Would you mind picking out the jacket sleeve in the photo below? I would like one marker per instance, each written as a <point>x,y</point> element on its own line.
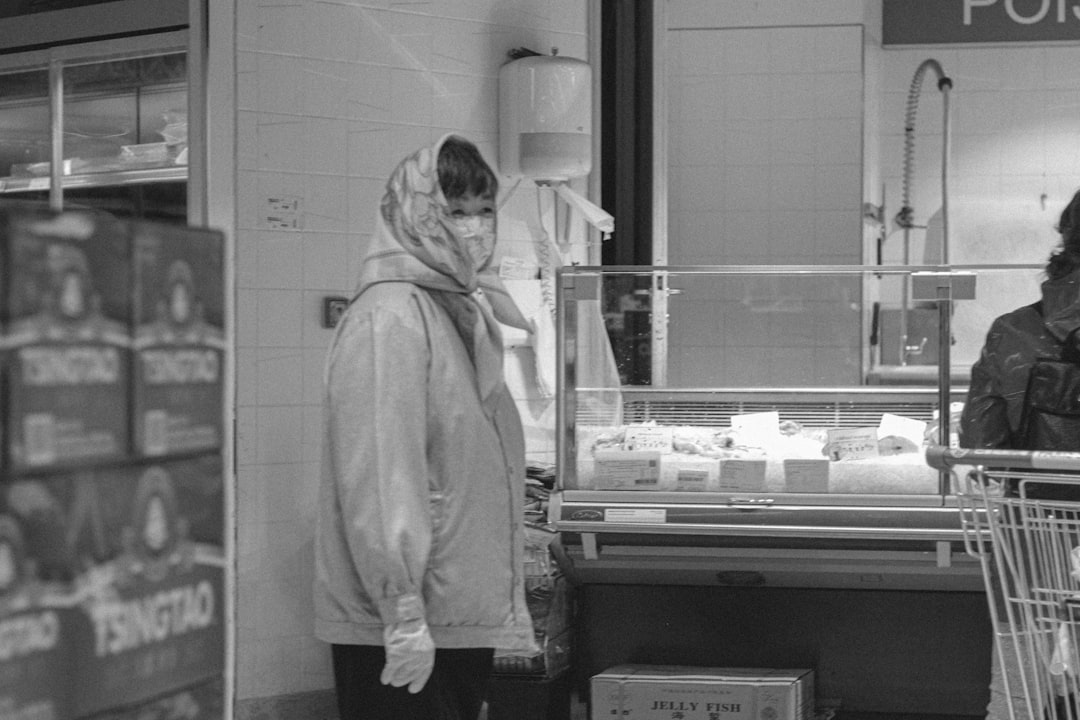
<point>1065,326</point>
<point>377,379</point>
<point>985,421</point>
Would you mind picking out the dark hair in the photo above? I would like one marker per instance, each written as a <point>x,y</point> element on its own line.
<point>463,171</point>
<point>1066,257</point>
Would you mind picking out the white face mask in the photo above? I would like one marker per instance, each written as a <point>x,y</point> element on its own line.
<point>478,235</point>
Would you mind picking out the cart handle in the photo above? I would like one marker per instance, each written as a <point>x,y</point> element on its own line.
<point>943,458</point>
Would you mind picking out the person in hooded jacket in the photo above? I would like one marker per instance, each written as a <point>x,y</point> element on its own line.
<point>1019,397</point>
<point>418,553</point>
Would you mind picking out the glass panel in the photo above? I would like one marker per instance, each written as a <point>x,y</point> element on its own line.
<point>24,123</point>
<point>125,136</point>
<point>125,114</point>
<point>767,380</point>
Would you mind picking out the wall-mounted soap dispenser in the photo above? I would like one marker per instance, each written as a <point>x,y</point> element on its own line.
<point>545,118</point>
<point>545,126</point>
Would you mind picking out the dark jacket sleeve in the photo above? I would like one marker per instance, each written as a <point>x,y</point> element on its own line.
<point>985,420</point>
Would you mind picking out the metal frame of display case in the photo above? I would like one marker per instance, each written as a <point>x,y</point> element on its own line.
<point>55,59</point>
<point>785,539</point>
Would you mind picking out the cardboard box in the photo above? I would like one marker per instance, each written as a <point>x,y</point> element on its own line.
<point>122,658</point>
<point>179,339</point>
<point>204,701</point>
<point>664,692</point>
<point>36,618</point>
<point>143,514</point>
<point>66,312</point>
<point>143,543</point>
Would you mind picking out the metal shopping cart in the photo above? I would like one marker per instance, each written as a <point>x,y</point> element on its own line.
<point>1028,543</point>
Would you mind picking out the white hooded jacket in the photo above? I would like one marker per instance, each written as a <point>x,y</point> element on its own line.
<point>420,506</point>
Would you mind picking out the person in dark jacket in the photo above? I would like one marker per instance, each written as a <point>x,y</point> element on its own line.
<point>1017,398</point>
<point>994,414</point>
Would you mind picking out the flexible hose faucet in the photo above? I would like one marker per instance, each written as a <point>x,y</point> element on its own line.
<point>905,218</point>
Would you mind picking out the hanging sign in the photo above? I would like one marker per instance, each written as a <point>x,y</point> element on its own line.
<point>931,22</point>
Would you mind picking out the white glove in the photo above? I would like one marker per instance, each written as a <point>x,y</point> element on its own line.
<point>410,654</point>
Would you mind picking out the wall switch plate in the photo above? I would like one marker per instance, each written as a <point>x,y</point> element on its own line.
<point>333,307</point>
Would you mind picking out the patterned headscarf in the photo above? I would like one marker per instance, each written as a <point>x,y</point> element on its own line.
<point>414,243</point>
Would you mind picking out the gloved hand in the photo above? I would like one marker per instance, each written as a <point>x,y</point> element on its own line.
<point>410,654</point>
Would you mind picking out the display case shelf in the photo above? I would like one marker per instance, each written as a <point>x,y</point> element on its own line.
<point>102,123</point>
<point>141,176</point>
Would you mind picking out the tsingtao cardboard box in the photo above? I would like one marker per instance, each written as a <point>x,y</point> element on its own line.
<point>179,339</point>
<point>664,692</point>
<point>65,317</point>
<point>36,619</point>
<point>142,543</point>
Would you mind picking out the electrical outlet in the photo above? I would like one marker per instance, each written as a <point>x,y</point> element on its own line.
<point>333,308</point>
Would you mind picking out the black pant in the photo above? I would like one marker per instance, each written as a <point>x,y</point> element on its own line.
<point>455,691</point>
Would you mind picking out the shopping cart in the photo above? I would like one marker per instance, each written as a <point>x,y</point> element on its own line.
<point>1029,549</point>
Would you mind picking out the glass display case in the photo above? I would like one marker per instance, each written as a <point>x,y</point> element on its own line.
<point>741,424</point>
<point>101,124</point>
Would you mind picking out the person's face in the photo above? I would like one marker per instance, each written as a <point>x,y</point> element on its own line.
<point>473,218</point>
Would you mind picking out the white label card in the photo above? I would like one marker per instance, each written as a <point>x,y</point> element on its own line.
<point>761,425</point>
<point>648,437</point>
<point>512,268</point>
<point>635,515</point>
<point>852,443</point>
<point>910,428</point>
<point>618,470</point>
<point>807,475</point>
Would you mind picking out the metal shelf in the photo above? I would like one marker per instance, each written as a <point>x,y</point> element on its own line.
<point>140,176</point>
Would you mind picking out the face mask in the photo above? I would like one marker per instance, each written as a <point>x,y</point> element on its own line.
<point>478,236</point>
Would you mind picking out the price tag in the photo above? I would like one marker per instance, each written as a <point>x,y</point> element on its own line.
<point>623,470</point>
<point>742,475</point>
<point>807,475</point>
<point>852,443</point>
<point>648,437</point>
<point>691,480</point>
<point>635,515</point>
<point>512,268</point>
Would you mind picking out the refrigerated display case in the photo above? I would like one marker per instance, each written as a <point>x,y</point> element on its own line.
<point>728,425</point>
<point>102,124</point>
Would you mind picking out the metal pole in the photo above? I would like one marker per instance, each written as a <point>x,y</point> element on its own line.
<point>56,125</point>
<point>944,376</point>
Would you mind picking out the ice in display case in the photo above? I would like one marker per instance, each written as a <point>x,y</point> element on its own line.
<point>746,418</point>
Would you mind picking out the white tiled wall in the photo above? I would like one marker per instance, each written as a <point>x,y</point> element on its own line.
<point>764,136</point>
<point>1014,162</point>
<point>331,94</point>
<point>765,129</point>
